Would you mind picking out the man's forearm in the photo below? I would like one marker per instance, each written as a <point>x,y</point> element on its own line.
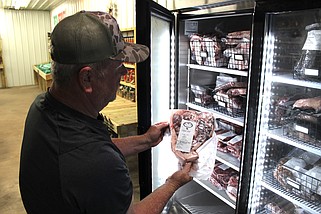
<point>155,202</point>
<point>132,145</point>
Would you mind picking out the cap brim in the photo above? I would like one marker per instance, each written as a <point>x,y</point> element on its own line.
<point>132,53</point>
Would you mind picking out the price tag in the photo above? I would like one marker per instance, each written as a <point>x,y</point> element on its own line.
<point>185,136</point>
<point>198,100</point>
<point>223,166</point>
<point>236,139</point>
<point>238,57</point>
<point>293,183</point>
<point>203,54</point>
<point>311,72</point>
<point>221,104</point>
<point>301,129</point>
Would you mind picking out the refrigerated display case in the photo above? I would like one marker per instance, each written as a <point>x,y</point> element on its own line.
<point>283,116</point>
<point>199,61</point>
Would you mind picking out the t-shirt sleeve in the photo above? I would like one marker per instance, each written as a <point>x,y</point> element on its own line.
<point>95,179</point>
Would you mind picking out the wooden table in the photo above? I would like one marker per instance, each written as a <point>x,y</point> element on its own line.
<point>42,79</point>
<point>121,117</point>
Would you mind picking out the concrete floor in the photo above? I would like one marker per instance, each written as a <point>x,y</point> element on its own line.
<point>14,104</point>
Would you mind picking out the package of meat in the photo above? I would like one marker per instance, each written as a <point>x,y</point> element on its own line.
<point>233,106</point>
<point>308,126</point>
<point>238,56</point>
<point>189,131</point>
<point>236,92</point>
<point>309,104</point>
<point>312,180</point>
<point>234,146</point>
<point>299,174</point>
<point>214,56</point>
<point>309,64</point>
<point>230,85</point>
<point>221,175</point>
<point>193,140</point>
<point>204,165</point>
<point>232,186</point>
<point>196,45</point>
<point>280,207</point>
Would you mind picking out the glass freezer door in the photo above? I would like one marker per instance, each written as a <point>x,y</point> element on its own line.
<point>286,175</point>
<point>163,160</point>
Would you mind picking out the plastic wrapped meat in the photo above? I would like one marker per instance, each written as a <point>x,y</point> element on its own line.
<point>309,64</point>
<point>196,45</point>
<point>221,175</point>
<point>309,104</point>
<point>238,56</point>
<point>214,52</point>
<point>190,130</point>
<point>232,185</point>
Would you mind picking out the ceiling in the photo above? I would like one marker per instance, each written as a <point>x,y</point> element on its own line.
<point>36,4</point>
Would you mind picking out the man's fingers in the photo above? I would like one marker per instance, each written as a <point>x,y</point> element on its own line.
<point>162,125</point>
<point>187,167</point>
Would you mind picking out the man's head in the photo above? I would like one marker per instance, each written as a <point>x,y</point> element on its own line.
<point>89,37</point>
<point>87,50</point>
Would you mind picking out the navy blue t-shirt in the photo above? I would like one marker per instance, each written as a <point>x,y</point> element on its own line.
<point>69,164</point>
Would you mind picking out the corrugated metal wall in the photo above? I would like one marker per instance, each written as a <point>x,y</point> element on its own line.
<point>123,10</point>
<point>24,41</point>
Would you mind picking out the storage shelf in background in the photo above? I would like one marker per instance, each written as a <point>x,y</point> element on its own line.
<point>127,84</point>
<point>277,134</point>
<point>129,65</point>
<point>288,79</point>
<point>228,160</point>
<point>219,70</point>
<point>236,120</point>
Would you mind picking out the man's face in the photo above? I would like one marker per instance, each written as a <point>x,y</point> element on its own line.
<point>107,84</point>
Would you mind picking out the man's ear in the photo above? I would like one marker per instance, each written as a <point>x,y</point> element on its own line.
<point>85,79</point>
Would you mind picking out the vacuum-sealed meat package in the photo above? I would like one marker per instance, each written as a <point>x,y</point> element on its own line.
<point>309,65</point>
<point>189,131</point>
<point>193,140</point>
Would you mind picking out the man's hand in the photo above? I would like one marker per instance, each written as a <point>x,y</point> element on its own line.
<point>155,133</point>
<point>181,177</point>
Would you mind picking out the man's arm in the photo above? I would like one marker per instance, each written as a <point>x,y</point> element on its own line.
<point>135,144</point>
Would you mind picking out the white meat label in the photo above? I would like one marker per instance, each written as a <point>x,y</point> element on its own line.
<point>301,129</point>
<point>311,72</point>
<point>185,136</point>
<point>293,183</point>
<point>223,166</point>
<point>236,139</point>
<point>238,57</point>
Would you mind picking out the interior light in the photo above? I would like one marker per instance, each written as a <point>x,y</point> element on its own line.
<point>15,4</point>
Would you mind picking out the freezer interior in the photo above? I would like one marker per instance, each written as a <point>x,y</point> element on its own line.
<point>205,44</point>
<point>287,172</point>
<point>213,50</point>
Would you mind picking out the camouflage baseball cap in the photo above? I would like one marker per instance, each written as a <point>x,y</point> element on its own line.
<point>88,37</point>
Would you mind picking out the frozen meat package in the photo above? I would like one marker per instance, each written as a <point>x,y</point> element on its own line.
<point>193,140</point>
<point>299,172</point>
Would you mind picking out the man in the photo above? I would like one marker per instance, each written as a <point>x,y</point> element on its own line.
<point>68,163</point>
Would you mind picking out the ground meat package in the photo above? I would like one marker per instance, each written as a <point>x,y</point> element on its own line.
<point>193,140</point>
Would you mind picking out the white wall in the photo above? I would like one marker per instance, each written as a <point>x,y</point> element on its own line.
<point>24,41</point>
<point>123,10</point>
